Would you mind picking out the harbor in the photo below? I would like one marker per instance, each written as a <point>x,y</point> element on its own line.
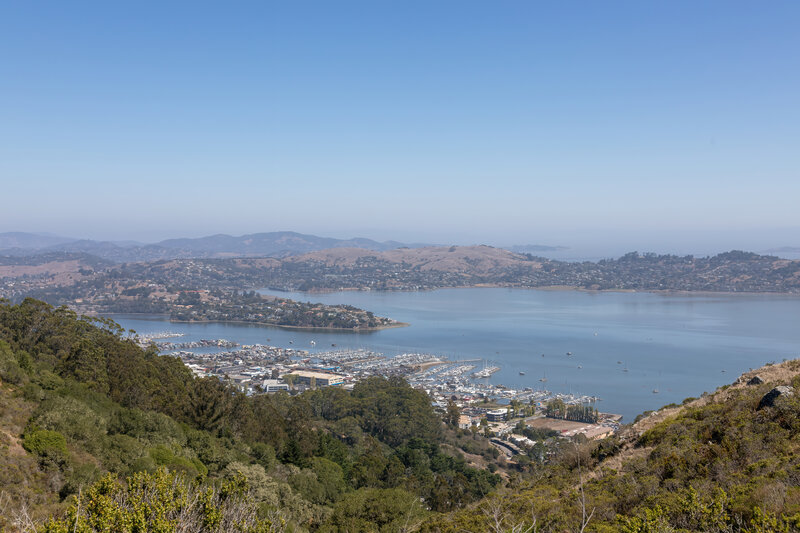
<point>254,366</point>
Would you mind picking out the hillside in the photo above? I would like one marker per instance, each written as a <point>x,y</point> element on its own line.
<point>471,260</point>
<point>79,400</point>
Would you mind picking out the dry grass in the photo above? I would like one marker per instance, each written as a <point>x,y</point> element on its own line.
<point>473,259</point>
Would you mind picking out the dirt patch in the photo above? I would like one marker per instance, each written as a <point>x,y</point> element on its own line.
<point>57,267</point>
<point>13,442</point>
<point>556,424</point>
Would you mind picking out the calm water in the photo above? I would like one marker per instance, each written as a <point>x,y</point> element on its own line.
<point>679,345</point>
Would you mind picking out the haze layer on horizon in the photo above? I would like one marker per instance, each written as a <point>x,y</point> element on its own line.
<point>452,122</point>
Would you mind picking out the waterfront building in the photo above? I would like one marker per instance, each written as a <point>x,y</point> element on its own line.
<point>315,379</point>
<point>497,415</point>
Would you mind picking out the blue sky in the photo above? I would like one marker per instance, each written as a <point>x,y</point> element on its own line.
<point>626,123</point>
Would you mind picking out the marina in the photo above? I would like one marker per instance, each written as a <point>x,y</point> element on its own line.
<point>249,365</point>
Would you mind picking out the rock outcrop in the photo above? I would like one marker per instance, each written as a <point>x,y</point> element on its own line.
<point>769,399</point>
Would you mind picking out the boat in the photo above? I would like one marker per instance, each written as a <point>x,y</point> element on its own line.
<point>522,373</point>
<point>569,353</point>
<point>485,372</point>
<point>655,391</point>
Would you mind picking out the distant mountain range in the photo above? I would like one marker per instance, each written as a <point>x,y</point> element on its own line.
<point>785,250</point>
<point>30,241</point>
<point>272,244</point>
<point>535,248</point>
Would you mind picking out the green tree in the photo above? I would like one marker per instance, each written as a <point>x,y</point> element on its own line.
<point>452,414</point>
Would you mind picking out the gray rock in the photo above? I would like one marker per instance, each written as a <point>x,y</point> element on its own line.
<point>769,399</point>
<point>755,380</point>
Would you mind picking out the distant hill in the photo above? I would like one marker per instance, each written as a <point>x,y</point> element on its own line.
<point>784,249</point>
<point>30,241</point>
<point>535,248</point>
<point>472,260</point>
<point>272,244</point>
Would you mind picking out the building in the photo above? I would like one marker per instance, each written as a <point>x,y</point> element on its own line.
<point>497,415</point>
<point>315,379</point>
<point>274,385</point>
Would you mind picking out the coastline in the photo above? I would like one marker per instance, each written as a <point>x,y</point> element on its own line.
<point>557,288</point>
<point>300,328</point>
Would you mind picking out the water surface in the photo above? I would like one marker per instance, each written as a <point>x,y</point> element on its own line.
<point>679,345</point>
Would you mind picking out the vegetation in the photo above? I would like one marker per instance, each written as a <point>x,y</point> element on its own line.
<point>80,401</point>
<point>163,502</point>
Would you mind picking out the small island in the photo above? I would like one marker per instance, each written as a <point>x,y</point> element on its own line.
<point>254,308</point>
<point>231,306</point>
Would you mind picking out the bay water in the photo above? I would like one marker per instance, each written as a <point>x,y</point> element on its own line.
<point>635,351</point>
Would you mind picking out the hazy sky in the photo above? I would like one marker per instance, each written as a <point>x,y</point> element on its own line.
<point>503,122</point>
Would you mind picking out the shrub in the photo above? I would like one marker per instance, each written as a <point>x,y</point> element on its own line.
<point>41,441</point>
<point>163,501</point>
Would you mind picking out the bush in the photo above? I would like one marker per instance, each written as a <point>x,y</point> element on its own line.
<point>163,501</point>
<point>42,441</point>
<point>10,369</point>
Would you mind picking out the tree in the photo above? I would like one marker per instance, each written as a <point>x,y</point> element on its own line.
<point>209,403</point>
<point>384,510</point>
<point>453,414</point>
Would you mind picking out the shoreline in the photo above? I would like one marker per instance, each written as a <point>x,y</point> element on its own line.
<point>553,288</point>
<point>282,326</point>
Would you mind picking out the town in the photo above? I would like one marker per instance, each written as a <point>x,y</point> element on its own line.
<point>515,420</point>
